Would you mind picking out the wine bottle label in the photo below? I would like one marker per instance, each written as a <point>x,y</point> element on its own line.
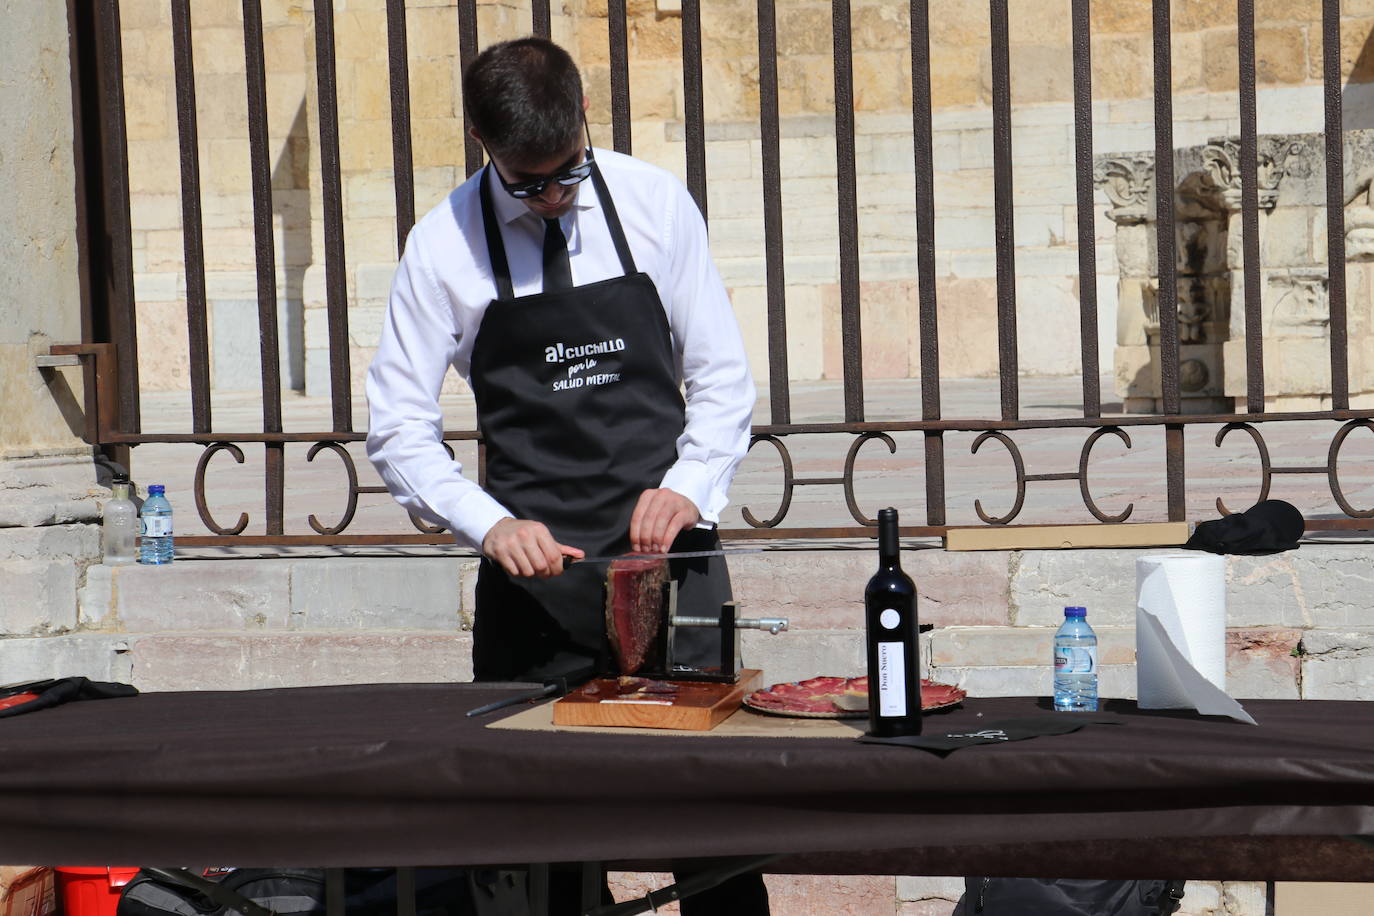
<point>891,679</point>
<point>890,618</point>
<point>157,527</point>
<point>1075,659</point>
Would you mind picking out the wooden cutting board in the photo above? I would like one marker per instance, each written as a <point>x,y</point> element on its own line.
<point>697,706</point>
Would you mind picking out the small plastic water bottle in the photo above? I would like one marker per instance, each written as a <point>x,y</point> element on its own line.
<point>1075,663</point>
<point>155,544</point>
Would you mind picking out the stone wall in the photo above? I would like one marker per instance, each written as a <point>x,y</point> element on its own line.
<point>1288,40</point>
<point>1298,626</point>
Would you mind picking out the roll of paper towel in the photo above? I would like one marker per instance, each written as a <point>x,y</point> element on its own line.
<point>1181,634</point>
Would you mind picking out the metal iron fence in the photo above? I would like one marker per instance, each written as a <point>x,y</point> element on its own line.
<point>109,350</point>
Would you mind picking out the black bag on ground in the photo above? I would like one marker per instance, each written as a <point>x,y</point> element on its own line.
<point>284,891</point>
<point>1068,897</point>
<point>301,892</point>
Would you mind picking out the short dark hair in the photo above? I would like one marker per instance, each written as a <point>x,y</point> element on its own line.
<point>525,99</point>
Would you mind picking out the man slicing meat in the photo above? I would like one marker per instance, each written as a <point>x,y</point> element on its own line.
<point>573,289</point>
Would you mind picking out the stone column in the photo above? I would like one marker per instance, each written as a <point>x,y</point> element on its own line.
<point>1359,253</point>
<point>1292,270</point>
<point>48,486</point>
<point>1128,180</point>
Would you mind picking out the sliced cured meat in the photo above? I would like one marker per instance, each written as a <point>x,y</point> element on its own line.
<point>933,694</point>
<point>645,685</point>
<point>634,608</point>
<point>838,697</point>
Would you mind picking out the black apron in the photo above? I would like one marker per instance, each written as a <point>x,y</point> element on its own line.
<point>579,407</point>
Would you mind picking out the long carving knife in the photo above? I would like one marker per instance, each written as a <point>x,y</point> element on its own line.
<point>680,555</point>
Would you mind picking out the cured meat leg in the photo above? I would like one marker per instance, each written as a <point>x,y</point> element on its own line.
<point>634,608</point>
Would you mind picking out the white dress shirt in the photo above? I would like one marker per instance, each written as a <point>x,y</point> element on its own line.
<point>444,284</point>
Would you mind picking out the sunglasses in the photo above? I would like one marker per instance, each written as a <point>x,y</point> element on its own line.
<point>579,173</point>
<point>521,190</point>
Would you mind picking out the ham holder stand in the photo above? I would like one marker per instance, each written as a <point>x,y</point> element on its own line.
<point>657,689</point>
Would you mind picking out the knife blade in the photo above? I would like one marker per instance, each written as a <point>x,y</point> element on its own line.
<point>680,555</point>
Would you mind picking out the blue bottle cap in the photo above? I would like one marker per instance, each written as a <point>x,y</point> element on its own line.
<point>156,489</point>
<point>1075,612</point>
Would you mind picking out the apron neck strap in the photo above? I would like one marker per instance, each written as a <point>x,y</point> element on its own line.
<point>496,248</point>
<point>622,247</point>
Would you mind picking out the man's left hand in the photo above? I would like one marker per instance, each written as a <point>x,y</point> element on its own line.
<point>659,516</point>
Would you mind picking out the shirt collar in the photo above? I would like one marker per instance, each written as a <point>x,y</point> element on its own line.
<point>508,209</point>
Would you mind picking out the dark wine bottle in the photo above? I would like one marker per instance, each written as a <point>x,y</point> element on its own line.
<point>894,668</point>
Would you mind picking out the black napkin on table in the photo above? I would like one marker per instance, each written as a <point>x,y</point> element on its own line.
<point>61,690</point>
<point>1263,528</point>
<point>995,732</point>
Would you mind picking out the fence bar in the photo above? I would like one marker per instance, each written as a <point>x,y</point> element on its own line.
<point>848,215</point>
<point>1335,200</point>
<point>197,321</point>
<point>1087,230</point>
<point>402,157</point>
<point>85,142</point>
<point>539,18</point>
<point>693,103</point>
<point>1174,472</point>
<point>335,264</point>
<point>1249,207</point>
<point>1167,299</point>
<point>1007,363</point>
<point>261,165</point>
<point>924,170</point>
<point>620,76</point>
<point>779,394</point>
<point>115,260</point>
<point>467,50</point>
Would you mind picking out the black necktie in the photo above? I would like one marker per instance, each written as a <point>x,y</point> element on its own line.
<point>557,269</point>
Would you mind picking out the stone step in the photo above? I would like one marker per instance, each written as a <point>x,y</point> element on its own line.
<point>225,622</point>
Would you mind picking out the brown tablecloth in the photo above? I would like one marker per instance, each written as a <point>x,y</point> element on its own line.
<point>396,775</point>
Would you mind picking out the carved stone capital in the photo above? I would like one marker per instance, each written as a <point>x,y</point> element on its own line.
<point>1359,218</point>
<point>1128,181</point>
<point>1300,307</point>
<point>1276,157</point>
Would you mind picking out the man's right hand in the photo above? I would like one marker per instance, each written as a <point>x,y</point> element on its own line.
<point>526,548</point>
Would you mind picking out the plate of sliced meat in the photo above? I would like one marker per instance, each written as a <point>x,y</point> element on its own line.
<point>837,698</point>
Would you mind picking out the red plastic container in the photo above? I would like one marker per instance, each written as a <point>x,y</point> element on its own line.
<point>85,891</point>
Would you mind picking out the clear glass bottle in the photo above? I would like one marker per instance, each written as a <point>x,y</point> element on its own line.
<point>155,543</point>
<point>1075,663</point>
<point>894,669</point>
<point>120,525</point>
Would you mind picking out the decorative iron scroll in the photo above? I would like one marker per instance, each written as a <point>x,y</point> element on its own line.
<point>862,523</point>
<point>1336,442</point>
<point>353,488</point>
<point>1267,469</point>
<point>791,480</point>
<point>1022,478</point>
<point>201,506</point>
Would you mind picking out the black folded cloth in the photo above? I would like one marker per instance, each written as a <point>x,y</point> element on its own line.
<point>1265,527</point>
<point>49,693</point>
<point>994,732</point>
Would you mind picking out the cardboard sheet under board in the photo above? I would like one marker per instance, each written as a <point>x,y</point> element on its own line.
<point>1064,537</point>
<point>743,724</point>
